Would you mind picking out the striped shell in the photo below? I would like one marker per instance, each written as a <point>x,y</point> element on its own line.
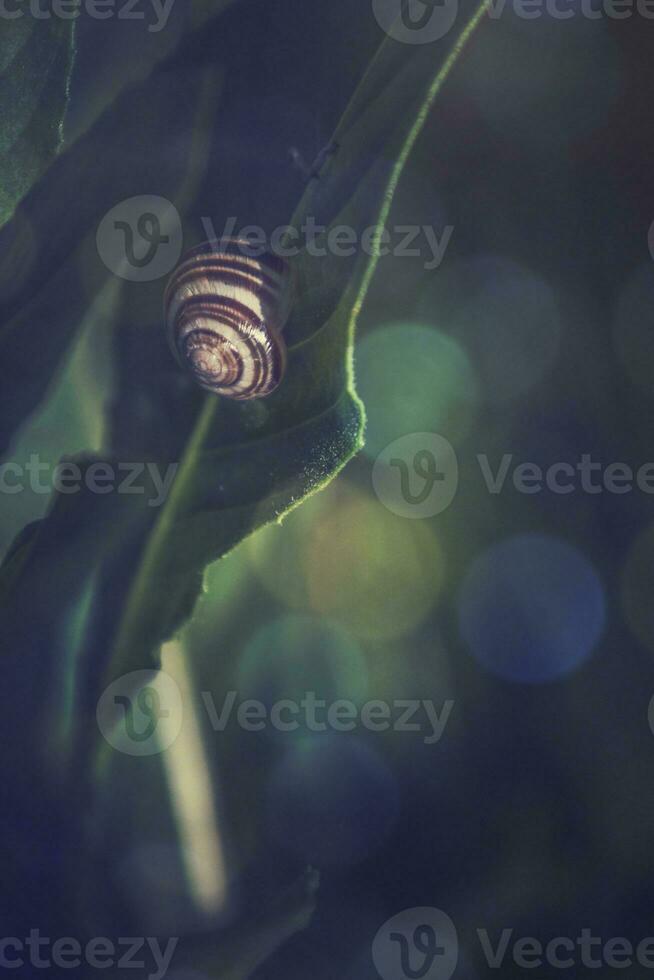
<point>224,315</point>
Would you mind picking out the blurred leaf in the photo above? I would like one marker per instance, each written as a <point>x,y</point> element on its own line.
<point>36,58</point>
<point>140,46</point>
<point>247,464</point>
<point>163,145</point>
<point>51,268</point>
<point>236,953</point>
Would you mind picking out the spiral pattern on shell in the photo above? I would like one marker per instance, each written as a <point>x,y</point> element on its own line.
<point>224,314</point>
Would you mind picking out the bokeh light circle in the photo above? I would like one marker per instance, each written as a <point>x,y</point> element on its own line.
<point>632,328</point>
<point>297,653</point>
<point>531,608</point>
<point>637,587</point>
<point>556,80</point>
<point>332,801</point>
<point>505,317</point>
<point>376,573</point>
<point>348,558</point>
<point>413,378</point>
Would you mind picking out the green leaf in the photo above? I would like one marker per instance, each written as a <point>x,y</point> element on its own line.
<point>237,952</point>
<point>51,269</point>
<point>60,217</point>
<point>139,51</point>
<point>36,58</point>
<point>245,465</point>
<point>248,464</point>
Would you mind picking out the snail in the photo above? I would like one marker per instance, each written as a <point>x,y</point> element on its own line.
<point>224,315</point>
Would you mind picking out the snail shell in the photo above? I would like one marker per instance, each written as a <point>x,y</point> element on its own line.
<point>224,315</point>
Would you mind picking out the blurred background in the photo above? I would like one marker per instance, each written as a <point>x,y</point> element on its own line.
<point>525,618</point>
